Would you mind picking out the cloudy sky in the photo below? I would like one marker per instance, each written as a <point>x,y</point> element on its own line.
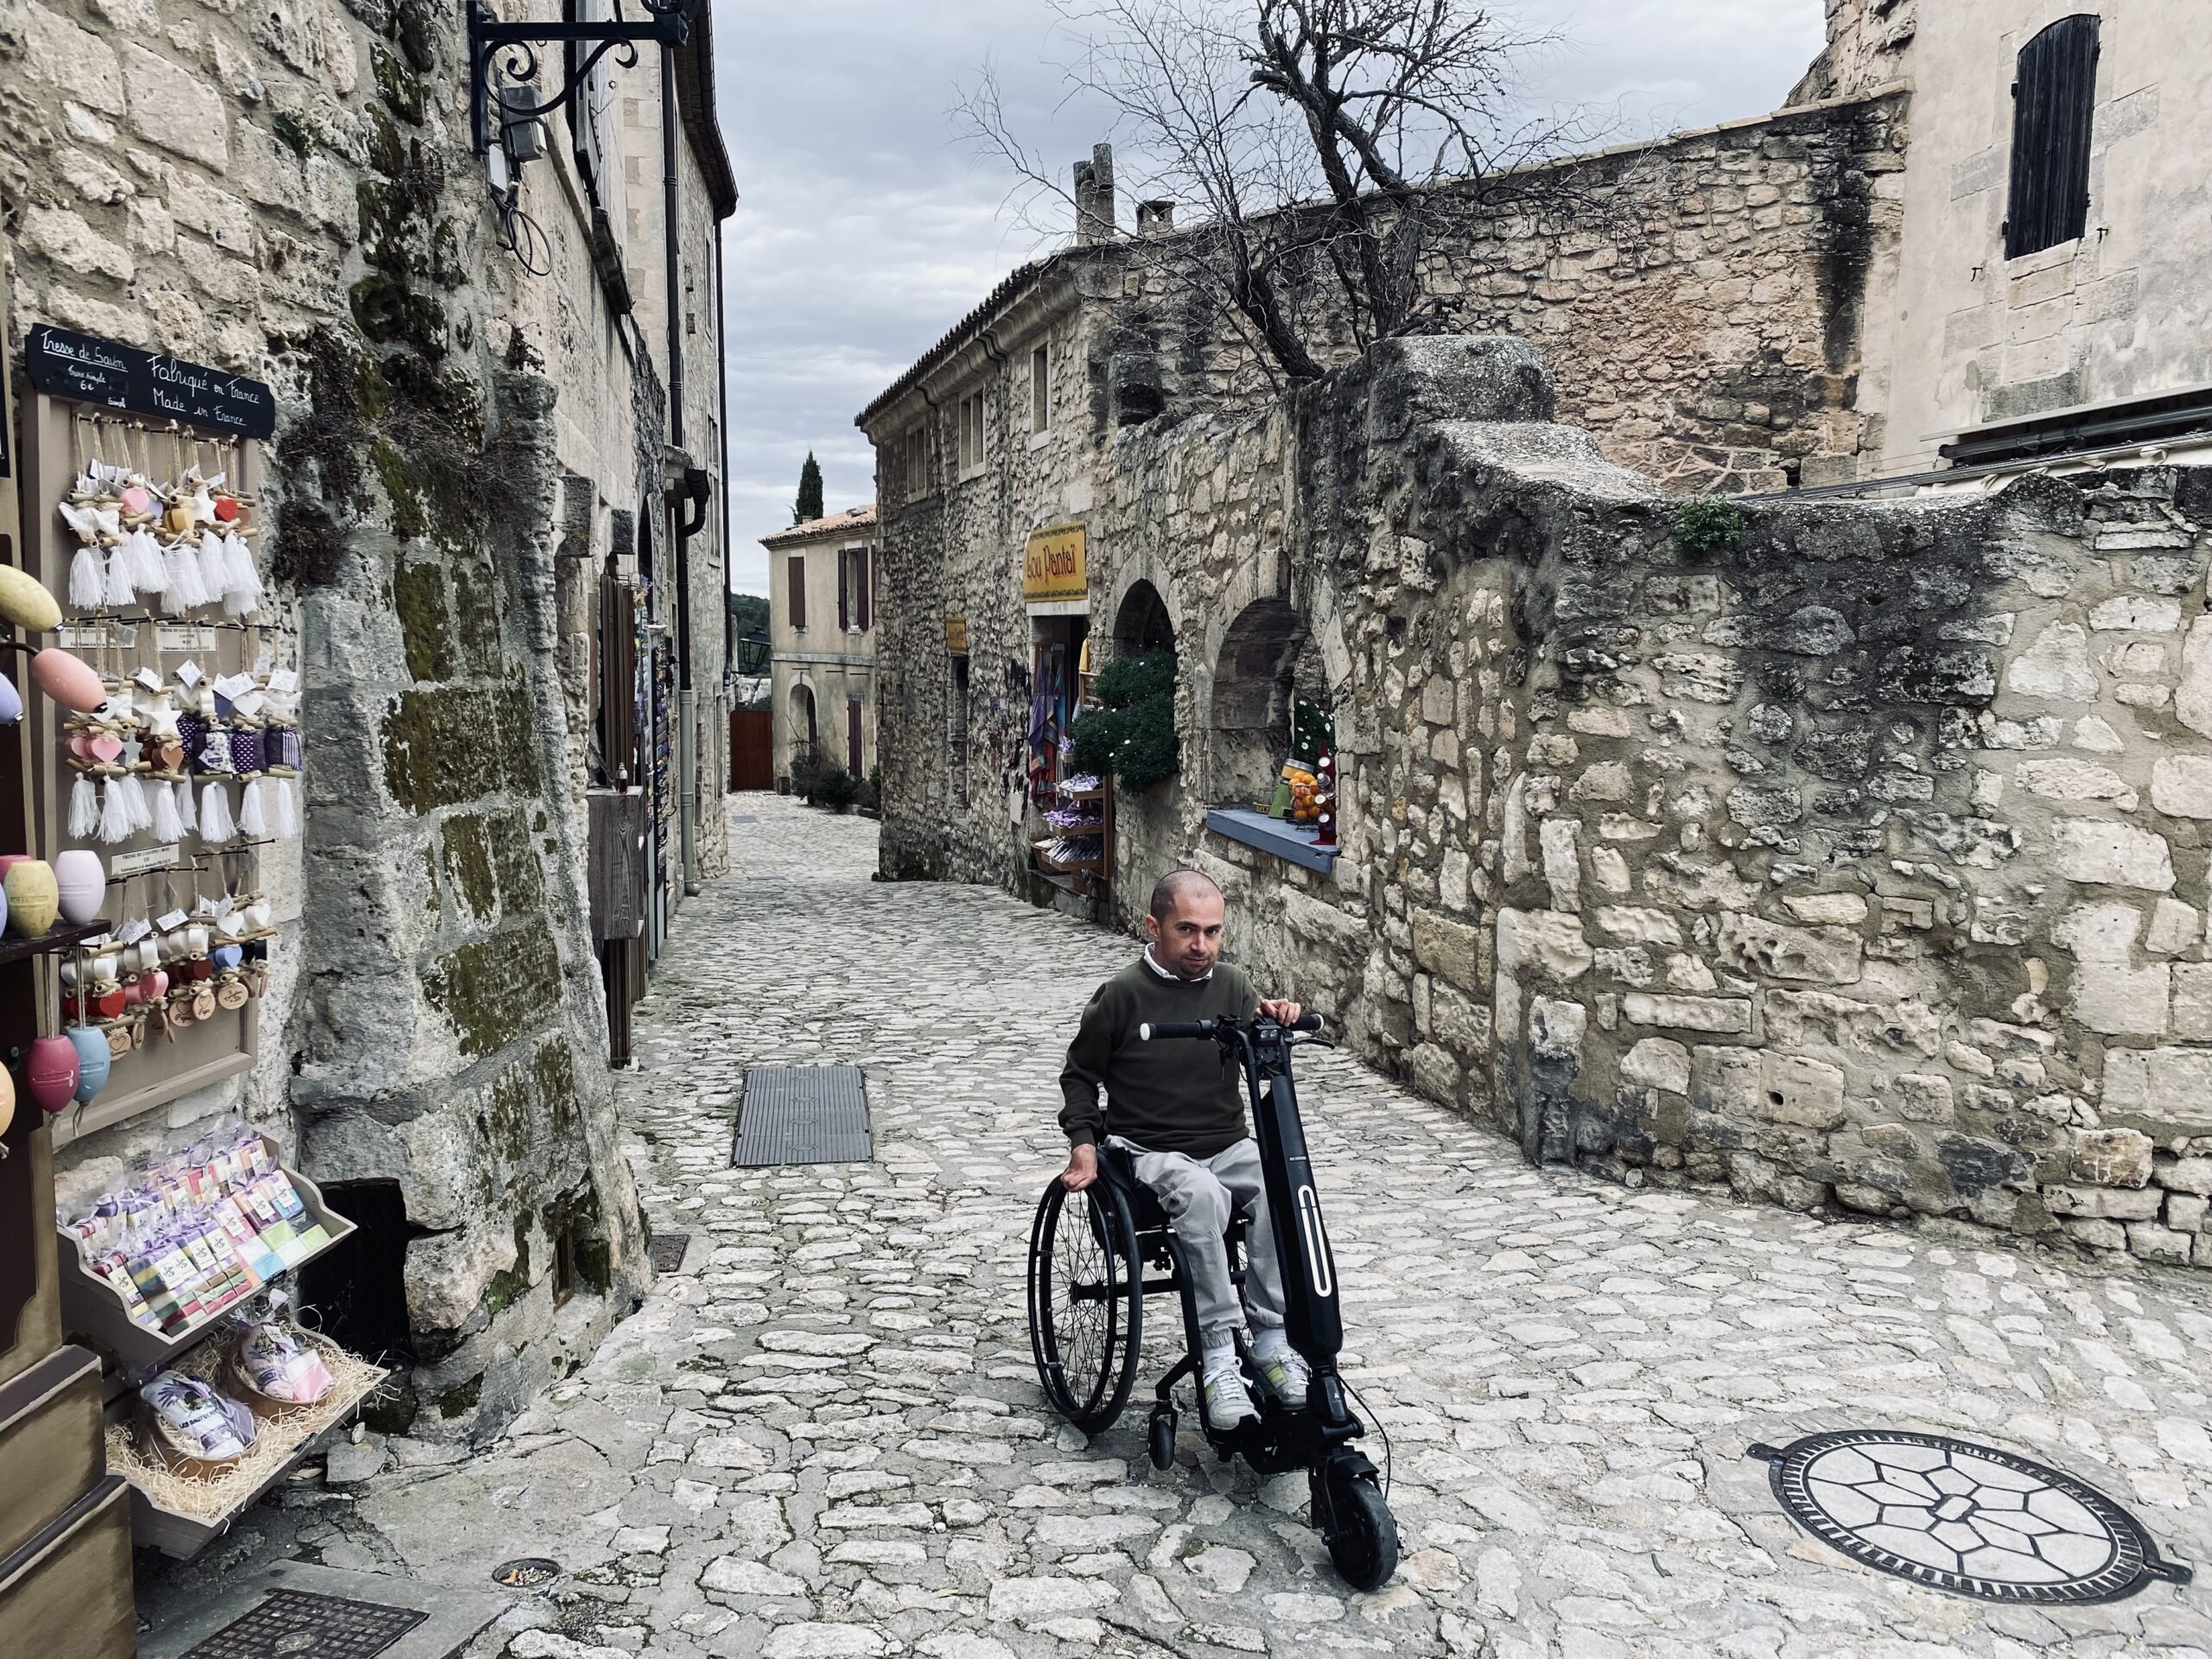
<point>867,228</point>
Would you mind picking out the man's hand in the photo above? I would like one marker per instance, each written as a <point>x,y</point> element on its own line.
<point>1283,1011</point>
<point>1083,1167</point>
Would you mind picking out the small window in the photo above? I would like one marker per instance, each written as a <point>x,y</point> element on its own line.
<point>2054,105</point>
<point>971,436</point>
<point>915,468</point>
<point>795,571</point>
<point>1040,391</point>
<point>852,590</point>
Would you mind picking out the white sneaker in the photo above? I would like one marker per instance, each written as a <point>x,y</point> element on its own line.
<point>1226,1402</point>
<point>1281,1366</point>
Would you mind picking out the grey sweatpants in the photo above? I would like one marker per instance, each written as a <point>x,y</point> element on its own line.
<point>1197,1194</point>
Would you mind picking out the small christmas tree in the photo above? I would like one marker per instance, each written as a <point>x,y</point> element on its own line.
<point>809,508</point>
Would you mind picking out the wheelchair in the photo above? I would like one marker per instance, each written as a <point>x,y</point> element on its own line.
<point>1095,1256</point>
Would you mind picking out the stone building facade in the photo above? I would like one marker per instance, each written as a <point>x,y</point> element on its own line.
<point>1969,337</point>
<point>1840,853</point>
<point>464,451</point>
<point>822,578</point>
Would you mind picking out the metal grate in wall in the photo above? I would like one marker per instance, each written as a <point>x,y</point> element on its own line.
<point>802,1114</point>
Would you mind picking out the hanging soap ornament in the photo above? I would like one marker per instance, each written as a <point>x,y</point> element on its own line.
<point>93,1062</point>
<point>33,899</point>
<point>66,679</point>
<point>80,884</point>
<point>11,701</point>
<point>50,1065</point>
<point>25,602</point>
<point>7,1101</point>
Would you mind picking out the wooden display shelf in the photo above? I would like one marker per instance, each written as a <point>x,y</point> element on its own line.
<point>180,1516</point>
<point>95,1310</point>
<point>1046,861</point>
<point>15,948</point>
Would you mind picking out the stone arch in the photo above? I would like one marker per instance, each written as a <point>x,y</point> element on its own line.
<point>1253,672</point>
<point>1142,622</point>
<point>806,728</point>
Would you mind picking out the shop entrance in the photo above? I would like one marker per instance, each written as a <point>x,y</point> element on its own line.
<point>1059,664</point>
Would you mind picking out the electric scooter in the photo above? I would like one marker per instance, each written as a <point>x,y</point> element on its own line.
<point>1088,1259</point>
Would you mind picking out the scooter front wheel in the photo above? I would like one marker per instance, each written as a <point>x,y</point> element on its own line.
<point>1360,1531</point>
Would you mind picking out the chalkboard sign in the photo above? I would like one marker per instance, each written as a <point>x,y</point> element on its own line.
<point>66,365</point>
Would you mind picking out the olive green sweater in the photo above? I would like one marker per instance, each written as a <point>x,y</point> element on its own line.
<point>1181,1096</point>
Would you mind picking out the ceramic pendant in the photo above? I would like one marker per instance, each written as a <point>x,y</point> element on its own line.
<point>34,900</point>
<point>92,1061</point>
<point>232,995</point>
<point>50,1069</point>
<point>203,1002</point>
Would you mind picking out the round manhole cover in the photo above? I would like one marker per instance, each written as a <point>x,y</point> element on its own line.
<point>530,1573</point>
<point>1969,1519</point>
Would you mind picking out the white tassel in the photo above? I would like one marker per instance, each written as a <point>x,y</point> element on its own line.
<point>186,813</point>
<point>215,815</point>
<point>181,578</point>
<point>84,808</point>
<point>84,580</point>
<point>169,827</point>
<point>119,592</point>
<point>114,813</point>
<point>134,803</point>
<point>253,817</point>
<point>212,577</point>
<point>238,563</point>
<point>288,812</point>
<point>146,572</point>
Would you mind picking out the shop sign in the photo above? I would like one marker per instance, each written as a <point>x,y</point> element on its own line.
<point>64,364</point>
<point>1054,566</point>
<point>955,636</point>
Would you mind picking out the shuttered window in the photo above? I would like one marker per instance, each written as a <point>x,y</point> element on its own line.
<point>845,592</point>
<point>860,591</point>
<point>796,567</point>
<point>2054,103</point>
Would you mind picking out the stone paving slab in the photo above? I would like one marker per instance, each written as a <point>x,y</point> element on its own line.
<point>825,1440</point>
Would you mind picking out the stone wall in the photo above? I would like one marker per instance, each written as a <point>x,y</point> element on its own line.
<point>1853,862</point>
<point>461,447</point>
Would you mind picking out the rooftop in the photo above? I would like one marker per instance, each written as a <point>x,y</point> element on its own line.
<point>836,523</point>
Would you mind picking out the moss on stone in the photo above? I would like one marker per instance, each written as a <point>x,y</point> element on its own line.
<point>294,133</point>
<point>450,745</point>
<point>419,596</point>
<point>393,1408</point>
<point>468,863</point>
<point>475,603</point>
<point>554,1069</point>
<point>398,84</point>
<point>509,1283</point>
<point>495,989</point>
<point>460,1400</point>
<point>434,900</point>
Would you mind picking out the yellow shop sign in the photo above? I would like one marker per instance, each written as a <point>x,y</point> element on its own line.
<point>955,636</point>
<point>1054,566</point>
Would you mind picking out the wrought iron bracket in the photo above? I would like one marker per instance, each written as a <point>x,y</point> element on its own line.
<point>512,48</point>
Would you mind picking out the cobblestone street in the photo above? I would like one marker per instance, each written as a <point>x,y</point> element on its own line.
<point>823,1437</point>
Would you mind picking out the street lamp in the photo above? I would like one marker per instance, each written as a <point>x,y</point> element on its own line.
<point>753,654</point>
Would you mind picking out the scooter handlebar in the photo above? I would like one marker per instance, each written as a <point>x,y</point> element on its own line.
<point>1149,1033</point>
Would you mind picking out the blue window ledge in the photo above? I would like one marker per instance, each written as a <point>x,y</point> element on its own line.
<point>1291,842</point>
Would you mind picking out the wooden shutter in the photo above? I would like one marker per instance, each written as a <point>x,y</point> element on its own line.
<point>845,592</point>
<point>797,567</point>
<point>860,587</point>
<point>2054,105</point>
<point>853,736</point>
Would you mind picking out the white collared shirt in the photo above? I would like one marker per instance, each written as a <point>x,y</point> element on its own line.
<point>1152,963</point>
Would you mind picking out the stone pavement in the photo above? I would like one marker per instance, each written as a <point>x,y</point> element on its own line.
<point>823,1438</point>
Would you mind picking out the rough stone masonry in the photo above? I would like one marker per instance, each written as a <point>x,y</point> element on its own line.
<point>1857,858</point>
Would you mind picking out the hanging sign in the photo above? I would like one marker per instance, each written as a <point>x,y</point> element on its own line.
<point>63,363</point>
<point>1054,567</point>
<point>955,636</point>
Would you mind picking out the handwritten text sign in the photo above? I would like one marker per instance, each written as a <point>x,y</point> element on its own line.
<point>66,365</point>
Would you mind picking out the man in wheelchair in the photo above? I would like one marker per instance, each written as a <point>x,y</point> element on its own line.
<point>1176,1111</point>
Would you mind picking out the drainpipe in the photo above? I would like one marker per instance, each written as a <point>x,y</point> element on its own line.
<point>687,699</point>
<point>721,393</point>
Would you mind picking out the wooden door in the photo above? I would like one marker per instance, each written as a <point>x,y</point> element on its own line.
<point>752,749</point>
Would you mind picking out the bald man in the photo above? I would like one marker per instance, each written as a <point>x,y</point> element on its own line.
<point>1178,1109</point>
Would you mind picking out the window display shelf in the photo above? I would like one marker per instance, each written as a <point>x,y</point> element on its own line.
<point>1292,842</point>
<point>95,1310</point>
<point>60,937</point>
<point>1046,862</point>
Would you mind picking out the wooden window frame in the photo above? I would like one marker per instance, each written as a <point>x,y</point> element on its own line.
<point>795,591</point>
<point>2054,131</point>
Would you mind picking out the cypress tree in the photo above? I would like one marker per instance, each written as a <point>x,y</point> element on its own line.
<point>810,492</point>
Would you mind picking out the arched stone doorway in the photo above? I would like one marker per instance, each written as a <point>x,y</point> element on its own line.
<point>1255,679</point>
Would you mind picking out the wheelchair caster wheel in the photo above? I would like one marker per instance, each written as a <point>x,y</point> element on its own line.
<point>1159,1438</point>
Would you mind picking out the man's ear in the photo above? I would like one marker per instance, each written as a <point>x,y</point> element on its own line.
<point>1152,927</point>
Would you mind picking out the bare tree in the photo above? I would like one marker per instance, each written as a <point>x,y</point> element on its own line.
<point>1336,143</point>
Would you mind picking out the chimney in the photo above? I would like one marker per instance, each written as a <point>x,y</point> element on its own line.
<point>1094,197</point>
<point>1155,219</point>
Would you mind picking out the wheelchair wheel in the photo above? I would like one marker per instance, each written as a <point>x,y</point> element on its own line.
<point>1086,1302</point>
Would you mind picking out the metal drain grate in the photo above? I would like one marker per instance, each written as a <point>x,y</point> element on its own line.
<point>292,1624</point>
<point>801,1115</point>
<point>668,1251</point>
<point>1970,1519</point>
